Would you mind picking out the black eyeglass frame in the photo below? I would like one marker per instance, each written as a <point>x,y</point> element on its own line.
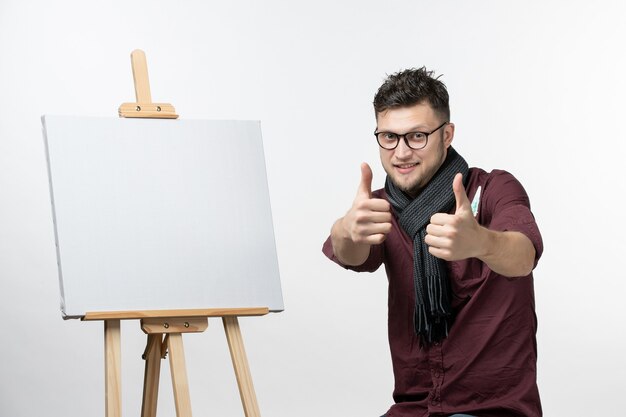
<point>398,136</point>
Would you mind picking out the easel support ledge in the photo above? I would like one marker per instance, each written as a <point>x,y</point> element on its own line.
<point>144,314</point>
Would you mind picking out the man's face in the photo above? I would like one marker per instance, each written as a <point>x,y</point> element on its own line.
<point>410,169</point>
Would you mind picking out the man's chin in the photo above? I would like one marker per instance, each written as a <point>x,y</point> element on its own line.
<point>410,188</point>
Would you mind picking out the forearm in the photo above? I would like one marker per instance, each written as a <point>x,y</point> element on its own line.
<point>345,249</point>
<point>511,254</point>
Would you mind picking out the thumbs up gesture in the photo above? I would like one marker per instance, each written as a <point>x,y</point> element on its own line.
<point>369,219</point>
<point>367,223</point>
<point>455,236</point>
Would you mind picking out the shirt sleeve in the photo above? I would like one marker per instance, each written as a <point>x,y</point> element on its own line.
<point>371,264</point>
<point>509,207</point>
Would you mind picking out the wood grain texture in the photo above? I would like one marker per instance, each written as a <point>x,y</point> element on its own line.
<point>174,325</point>
<point>240,364</point>
<point>144,107</point>
<point>209,312</point>
<point>112,368</point>
<point>179,375</point>
<point>147,110</point>
<point>151,375</point>
<point>140,76</point>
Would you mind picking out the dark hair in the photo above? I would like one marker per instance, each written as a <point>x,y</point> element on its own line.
<point>410,87</point>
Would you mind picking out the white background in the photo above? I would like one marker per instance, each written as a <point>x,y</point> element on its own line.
<point>536,88</point>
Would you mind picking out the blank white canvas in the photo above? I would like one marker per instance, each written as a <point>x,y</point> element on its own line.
<point>160,214</point>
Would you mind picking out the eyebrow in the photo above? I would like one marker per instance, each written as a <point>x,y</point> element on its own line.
<point>417,128</point>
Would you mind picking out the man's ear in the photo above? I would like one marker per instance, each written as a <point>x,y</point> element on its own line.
<point>448,134</point>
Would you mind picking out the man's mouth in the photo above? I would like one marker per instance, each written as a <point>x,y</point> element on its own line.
<point>406,168</point>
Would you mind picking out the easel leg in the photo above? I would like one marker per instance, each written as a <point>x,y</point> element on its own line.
<point>240,363</point>
<point>179,375</point>
<point>112,368</point>
<point>151,375</point>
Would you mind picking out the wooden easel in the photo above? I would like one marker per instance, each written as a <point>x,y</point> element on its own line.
<point>166,327</point>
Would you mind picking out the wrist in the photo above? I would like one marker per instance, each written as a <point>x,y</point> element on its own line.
<point>488,244</point>
<point>339,231</point>
<point>347,251</point>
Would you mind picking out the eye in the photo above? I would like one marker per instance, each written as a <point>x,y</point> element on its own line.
<point>388,136</point>
<point>416,136</point>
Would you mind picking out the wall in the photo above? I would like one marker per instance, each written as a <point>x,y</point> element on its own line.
<point>537,88</point>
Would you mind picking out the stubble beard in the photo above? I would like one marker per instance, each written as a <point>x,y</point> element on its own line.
<point>413,188</point>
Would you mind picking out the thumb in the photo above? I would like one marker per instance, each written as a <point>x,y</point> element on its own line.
<point>365,187</point>
<point>462,202</point>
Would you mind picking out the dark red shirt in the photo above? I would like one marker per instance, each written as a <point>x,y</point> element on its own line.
<point>487,364</point>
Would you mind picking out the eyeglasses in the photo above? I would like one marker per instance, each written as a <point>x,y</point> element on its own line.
<point>414,140</point>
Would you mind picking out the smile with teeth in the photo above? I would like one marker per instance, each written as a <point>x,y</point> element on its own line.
<point>404,166</point>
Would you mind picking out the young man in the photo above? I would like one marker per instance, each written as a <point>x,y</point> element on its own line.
<point>458,245</point>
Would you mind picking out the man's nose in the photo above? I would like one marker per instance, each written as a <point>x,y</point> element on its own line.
<point>402,150</point>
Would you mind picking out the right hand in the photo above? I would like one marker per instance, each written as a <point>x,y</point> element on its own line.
<point>369,219</point>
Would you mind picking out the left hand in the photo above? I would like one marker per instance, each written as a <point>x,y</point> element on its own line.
<point>457,236</point>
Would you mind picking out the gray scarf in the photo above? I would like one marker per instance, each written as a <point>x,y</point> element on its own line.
<point>433,314</point>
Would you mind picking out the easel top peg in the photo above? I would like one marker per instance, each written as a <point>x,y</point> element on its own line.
<point>144,107</point>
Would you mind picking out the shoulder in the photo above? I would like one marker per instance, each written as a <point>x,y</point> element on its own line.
<point>494,178</point>
<point>496,187</point>
<point>504,204</point>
